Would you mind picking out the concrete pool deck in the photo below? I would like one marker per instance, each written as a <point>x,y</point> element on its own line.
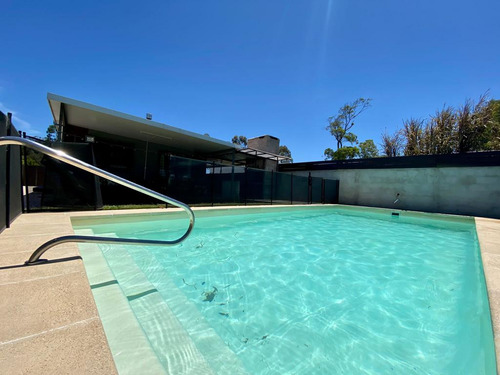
<point>50,323</point>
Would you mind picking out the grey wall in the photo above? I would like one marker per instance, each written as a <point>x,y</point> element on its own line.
<point>454,190</point>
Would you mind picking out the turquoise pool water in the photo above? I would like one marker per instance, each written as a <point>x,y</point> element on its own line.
<point>322,290</point>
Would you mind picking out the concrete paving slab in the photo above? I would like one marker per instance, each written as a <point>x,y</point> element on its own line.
<point>79,348</point>
<point>16,271</point>
<point>50,323</point>
<point>59,300</point>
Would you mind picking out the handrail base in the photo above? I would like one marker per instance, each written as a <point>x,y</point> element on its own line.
<point>36,262</point>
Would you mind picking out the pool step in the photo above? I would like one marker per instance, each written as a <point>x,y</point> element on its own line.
<point>220,357</point>
<point>157,320</point>
<point>129,345</point>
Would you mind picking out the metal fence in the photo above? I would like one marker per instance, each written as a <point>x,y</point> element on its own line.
<point>187,180</point>
<point>199,182</point>
<point>10,176</point>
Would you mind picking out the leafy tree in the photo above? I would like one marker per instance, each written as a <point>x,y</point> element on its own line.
<point>51,134</point>
<point>493,128</point>
<point>367,149</point>
<point>392,144</point>
<point>284,151</point>
<point>340,125</point>
<point>240,140</point>
<point>343,153</point>
<point>439,135</point>
<point>413,133</point>
<point>476,125</point>
<point>33,158</point>
<point>329,154</point>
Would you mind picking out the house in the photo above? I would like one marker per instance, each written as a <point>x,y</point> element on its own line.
<point>164,158</point>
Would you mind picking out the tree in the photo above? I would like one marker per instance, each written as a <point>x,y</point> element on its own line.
<point>474,124</point>
<point>413,133</point>
<point>33,158</point>
<point>493,129</point>
<point>240,140</point>
<point>340,125</point>
<point>51,134</point>
<point>367,149</point>
<point>284,151</point>
<point>343,153</point>
<point>392,144</point>
<point>439,134</point>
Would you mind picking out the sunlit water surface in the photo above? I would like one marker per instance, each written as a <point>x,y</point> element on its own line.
<point>325,290</point>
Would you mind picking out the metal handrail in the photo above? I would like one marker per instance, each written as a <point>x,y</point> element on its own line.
<point>60,155</point>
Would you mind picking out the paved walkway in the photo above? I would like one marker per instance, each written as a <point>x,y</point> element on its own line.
<point>49,321</point>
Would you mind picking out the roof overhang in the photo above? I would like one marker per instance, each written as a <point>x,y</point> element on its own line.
<point>264,154</point>
<point>105,120</point>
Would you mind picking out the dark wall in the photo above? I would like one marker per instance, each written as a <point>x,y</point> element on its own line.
<point>3,170</point>
<point>10,176</point>
<point>471,159</point>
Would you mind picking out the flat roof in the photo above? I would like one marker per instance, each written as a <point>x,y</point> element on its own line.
<point>105,120</point>
<point>264,154</point>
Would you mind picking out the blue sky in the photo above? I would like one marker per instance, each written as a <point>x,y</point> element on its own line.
<point>250,67</point>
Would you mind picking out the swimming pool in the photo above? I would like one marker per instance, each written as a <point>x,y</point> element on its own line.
<point>307,290</point>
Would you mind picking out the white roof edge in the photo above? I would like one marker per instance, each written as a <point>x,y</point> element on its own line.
<point>110,112</point>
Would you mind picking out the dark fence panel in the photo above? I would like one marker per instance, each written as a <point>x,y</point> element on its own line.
<point>67,187</point>
<point>34,175</point>
<point>300,189</point>
<point>331,191</point>
<point>258,186</point>
<point>227,185</point>
<point>15,180</point>
<point>187,180</point>
<point>10,176</point>
<point>3,174</point>
<point>282,188</point>
<point>316,186</point>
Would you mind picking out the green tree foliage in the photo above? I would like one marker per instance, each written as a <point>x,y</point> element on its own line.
<point>367,149</point>
<point>51,134</point>
<point>439,134</point>
<point>474,126</point>
<point>284,151</point>
<point>343,153</point>
<point>340,125</point>
<point>33,158</point>
<point>493,129</point>
<point>240,140</point>
<point>413,132</point>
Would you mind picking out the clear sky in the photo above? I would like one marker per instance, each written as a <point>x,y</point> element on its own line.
<point>278,67</point>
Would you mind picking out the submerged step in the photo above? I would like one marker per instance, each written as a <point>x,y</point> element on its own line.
<point>171,342</point>
<point>220,357</point>
<point>129,346</point>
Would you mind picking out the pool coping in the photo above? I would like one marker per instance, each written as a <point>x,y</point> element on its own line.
<point>60,330</point>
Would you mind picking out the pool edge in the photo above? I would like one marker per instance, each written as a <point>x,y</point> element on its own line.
<point>488,234</point>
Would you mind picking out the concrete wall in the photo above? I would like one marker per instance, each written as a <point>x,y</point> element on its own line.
<point>471,191</point>
<point>266,143</point>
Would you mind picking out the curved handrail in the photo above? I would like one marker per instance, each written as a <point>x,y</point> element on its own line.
<point>60,155</point>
